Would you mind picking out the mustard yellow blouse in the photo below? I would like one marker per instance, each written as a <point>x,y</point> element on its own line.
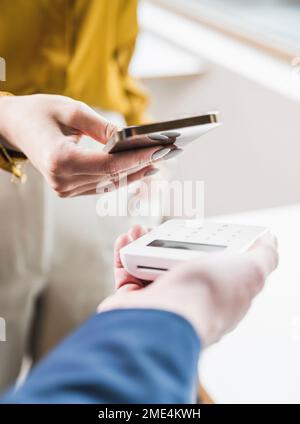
<point>78,48</point>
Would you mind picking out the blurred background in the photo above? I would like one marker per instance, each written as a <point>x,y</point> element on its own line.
<point>239,57</point>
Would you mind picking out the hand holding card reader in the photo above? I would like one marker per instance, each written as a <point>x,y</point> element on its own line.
<point>179,240</point>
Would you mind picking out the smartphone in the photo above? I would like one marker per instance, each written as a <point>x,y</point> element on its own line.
<point>179,132</point>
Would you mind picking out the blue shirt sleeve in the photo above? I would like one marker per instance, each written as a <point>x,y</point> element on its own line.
<point>121,356</point>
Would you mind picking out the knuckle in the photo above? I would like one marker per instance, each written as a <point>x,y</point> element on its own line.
<point>258,274</point>
<point>58,185</point>
<point>60,188</point>
<point>76,110</point>
<point>59,162</point>
<point>54,164</point>
<point>62,194</point>
<point>110,168</point>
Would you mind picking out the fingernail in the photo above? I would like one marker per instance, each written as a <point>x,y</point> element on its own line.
<point>158,137</point>
<point>171,134</point>
<point>159,154</point>
<point>151,172</point>
<point>173,154</point>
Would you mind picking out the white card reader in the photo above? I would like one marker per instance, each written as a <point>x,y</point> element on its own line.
<point>179,240</point>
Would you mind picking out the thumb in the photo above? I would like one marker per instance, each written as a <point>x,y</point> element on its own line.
<point>86,121</point>
<point>264,258</point>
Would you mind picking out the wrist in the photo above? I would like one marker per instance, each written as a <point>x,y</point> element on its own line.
<point>193,298</point>
<point>195,304</point>
<point>6,112</point>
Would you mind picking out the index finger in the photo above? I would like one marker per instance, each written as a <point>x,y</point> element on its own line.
<point>97,162</point>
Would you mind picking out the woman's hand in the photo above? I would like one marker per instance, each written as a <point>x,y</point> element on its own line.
<point>213,292</point>
<point>47,129</point>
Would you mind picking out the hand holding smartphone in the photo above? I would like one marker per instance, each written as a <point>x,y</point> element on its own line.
<point>179,132</point>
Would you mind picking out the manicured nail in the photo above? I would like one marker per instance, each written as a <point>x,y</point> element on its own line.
<point>171,134</point>
<point>159,154</point>
<point>158,137</point>
<point>151,172</point>
<point>173,154</point>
